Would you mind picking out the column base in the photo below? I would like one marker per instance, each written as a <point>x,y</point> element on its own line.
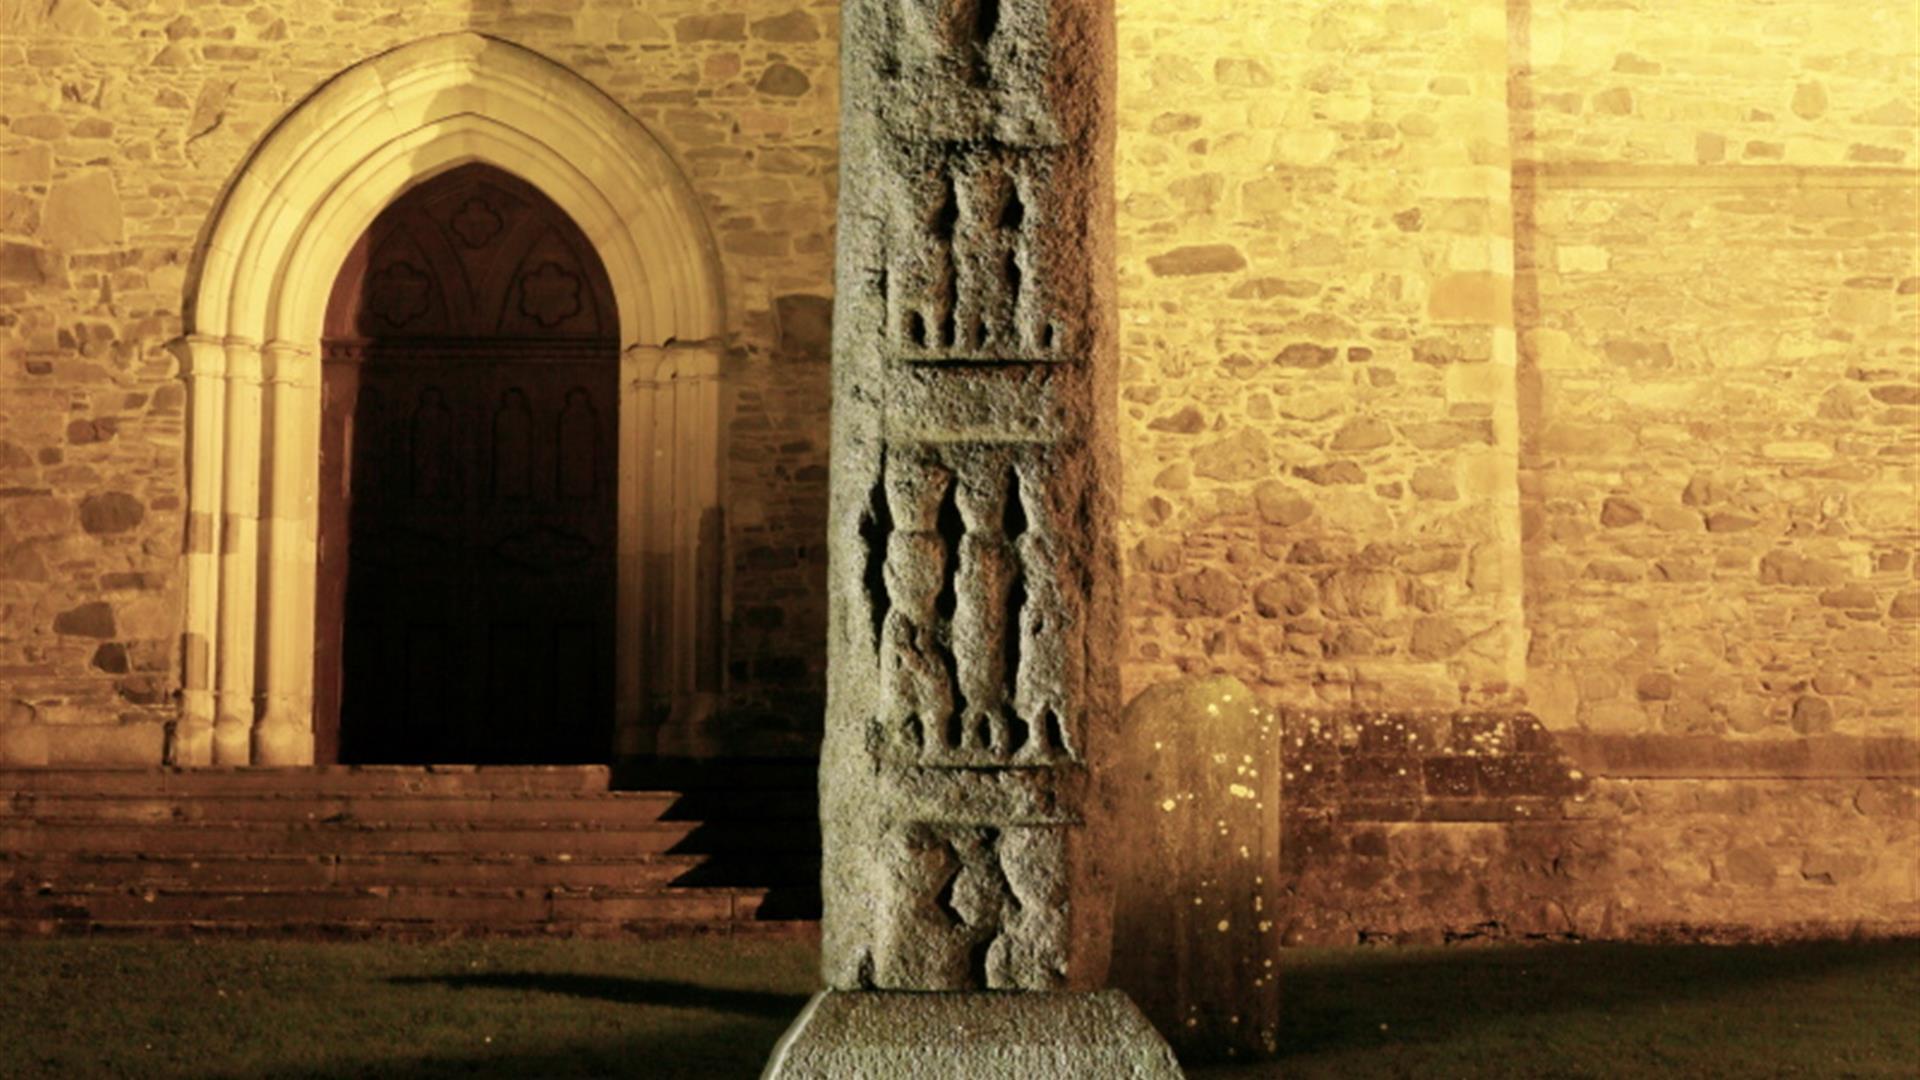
<point>232,740</point>
<point>687,732</point>
<point>192,743</point>
<point>1014,1035</point>
<point>282,741</point>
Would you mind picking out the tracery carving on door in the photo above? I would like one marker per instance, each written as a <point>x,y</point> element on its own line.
<point>468,519</point>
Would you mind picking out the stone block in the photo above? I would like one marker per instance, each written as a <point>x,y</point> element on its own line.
<point>725,26</point>
<point>83,213</point>
<point>1207,592</point>
<point>1362,433</point>
<point>28,165</point>
<point>1244,455</point>
<point>1480,296</point>
<point>1197,259</point>
<point>900,1036</point>
<point>93,620</point>
<point>783,80</point>
<point>23,264</point>
<point>111,512</point>
<point>104,744</point>
<point>1185,421</point>
<point>1303,354</point>
<point>805,325</point>
<point>1280,505</point>
<point>790,27</point>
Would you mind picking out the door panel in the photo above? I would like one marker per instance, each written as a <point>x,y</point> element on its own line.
<point>471,604</point>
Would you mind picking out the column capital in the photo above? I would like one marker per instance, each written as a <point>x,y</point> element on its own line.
<point>287,363</point>
<point>672,362</point>
<point>201,356</point>
<point>243,359</point>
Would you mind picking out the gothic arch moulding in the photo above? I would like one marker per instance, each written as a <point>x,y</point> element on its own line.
<point>251,361</point>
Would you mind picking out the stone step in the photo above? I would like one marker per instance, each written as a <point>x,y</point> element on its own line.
<point>80,836</point>
<point>293,871</point>
<point>616,808</point>
<point>491,907</point>
<point>410,930</point>
<point>568,808</point>
<point>259,871</point>
<point>315,779</point>
<point>405,852</point>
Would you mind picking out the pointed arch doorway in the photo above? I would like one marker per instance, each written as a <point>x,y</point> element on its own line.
<point>468,510</point>
<point>251,359</point>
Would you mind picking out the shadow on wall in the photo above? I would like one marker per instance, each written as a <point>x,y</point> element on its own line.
<point>1247,829</point>
<point>1250,829</point>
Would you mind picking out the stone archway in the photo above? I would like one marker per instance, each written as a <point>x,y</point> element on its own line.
<point>251,362</point>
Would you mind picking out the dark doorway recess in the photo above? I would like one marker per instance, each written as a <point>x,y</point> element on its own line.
<point>468,485</point>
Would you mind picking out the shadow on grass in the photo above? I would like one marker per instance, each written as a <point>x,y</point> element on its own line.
<point>735,1049</point>
<point>1339,1005</point>
<point>655,993</point>
<point>1595,1010</point>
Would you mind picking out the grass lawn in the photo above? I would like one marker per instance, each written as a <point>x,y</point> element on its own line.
<point>713,1008</point>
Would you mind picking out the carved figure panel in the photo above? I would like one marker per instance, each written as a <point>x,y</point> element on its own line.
<point>976,639</point>
<point>962,70</point>
<point>964,269</point>
<point>973,907</point>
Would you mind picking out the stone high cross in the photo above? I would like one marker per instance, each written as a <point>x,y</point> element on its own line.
<point>974,624</point>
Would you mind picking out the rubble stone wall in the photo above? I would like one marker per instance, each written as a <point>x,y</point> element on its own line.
<point>1664,501</point>
<point>120,124</point>
<point>1318,415</point>
<point>1475,357</point>
<point>1719,281</point>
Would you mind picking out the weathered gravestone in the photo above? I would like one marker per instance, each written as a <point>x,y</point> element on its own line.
<point>1197,883</point>
<point>971,668</point>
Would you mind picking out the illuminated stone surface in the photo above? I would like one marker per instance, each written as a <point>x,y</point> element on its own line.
<point>1708,224</point>
<point>971,675</point>
<point>970,663</point>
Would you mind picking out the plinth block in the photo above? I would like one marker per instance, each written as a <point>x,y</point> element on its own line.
<point>881,1035</point>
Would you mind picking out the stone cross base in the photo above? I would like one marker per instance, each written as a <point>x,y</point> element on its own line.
<point>881,1035</point>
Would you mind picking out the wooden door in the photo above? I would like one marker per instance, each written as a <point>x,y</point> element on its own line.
<point>468,469</point>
